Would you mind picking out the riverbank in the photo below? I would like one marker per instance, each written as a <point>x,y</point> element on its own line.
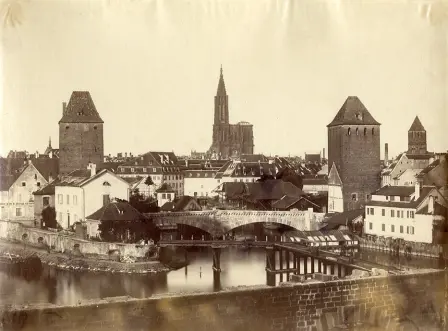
<point>75,263</point>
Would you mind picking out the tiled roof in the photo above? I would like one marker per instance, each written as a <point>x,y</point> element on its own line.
<point>417,125</point>
<point>117,211</point>
<point>199,173</point>
<point>165,188</point>
<point>111,166</point>
<point>6,182</point>
<point>287,201</point>
<point>438,210</point>
<point>347,115</point>
<point>253,158</point>
<point>402,191</point>
<point>178,204</point>
<point>312,157</point>
<point>338,219</point>
<point>428,168</point>
<point>419,156</point>
<point>272,189</point>
<point>48,189</point>
<point>11,166</point>
<point>412,172</point>
<point>315,181</point>
<point>48,167</point>
<point>403,204</point>
<point>81,109</point>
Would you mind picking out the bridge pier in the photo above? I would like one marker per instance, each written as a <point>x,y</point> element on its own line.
<point>216,258</point>
<point>270,266</point>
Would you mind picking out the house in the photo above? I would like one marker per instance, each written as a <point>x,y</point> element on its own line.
<point>165,194</point>
<point>112,211</point>
<point>299,203</point>
<point>200,183</point>
<point>434,174</point>
<point>44,198</point>
<point>17,199</point>
<point>315,185</point>
<point>313,158</point>
<point>162,167</point>
<point>84,191</point>
<point>335,196</point>
<point>405,212</point>
<point>183,203</point>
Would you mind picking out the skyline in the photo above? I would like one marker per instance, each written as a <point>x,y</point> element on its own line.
<point>288,62</point>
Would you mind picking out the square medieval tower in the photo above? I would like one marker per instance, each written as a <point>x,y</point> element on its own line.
<point>80,134</point>
<point>354,148</point>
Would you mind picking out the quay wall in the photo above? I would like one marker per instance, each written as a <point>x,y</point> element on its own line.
<point>295,307</point>
<point>63,243</point>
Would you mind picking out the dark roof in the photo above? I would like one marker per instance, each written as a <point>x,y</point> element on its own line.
<point>6,182</point>
<point>48,167</point>
<point>178,204</point>
<point>221,91</point>
<point>347,115</point>
<point>428,168</point>
<point>312,157</point>
<point>288,201</point>
<point>206,173</point>
<point>11,166</point>
<point>315,181</point>
<point>273,189</point>
<point>419,156</point>
<point>111,166</point>
<point>438,210</point>
<point>117,211</point>
<point>253,158</point>
<point>165,188</point>
<point>338,219</point>
<point>402,191</point>
<point>81,109</point>
<point>402,204</point>
<point>417,125</point>
<point>47,189</point>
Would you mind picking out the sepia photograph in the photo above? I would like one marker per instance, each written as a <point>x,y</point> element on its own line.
<point>224,165</point>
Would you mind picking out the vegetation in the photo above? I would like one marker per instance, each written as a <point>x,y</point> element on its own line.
<point>129,231</point>
<point>49,218</point>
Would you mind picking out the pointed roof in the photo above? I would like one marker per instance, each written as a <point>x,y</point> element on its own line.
<point>333,176</point>
<point>80,109</point>
<point>221,85</point>
<point>353,112</point>
<point>417,125</point>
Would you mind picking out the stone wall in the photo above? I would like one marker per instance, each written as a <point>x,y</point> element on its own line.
<point>291,307</point>
<point>14,231</point>
<point>218,222</point>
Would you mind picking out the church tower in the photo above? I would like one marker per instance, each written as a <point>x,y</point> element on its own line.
<point>417,138</point>
<point>221,103</point>
<point>354,149</point>
<point>80,134</point>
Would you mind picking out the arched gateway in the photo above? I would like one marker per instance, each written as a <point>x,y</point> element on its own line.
<point>219,222</point>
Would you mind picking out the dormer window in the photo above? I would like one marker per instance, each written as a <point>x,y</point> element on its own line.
<point>359,116</point>
<point>349,131</point>
<point>106,183</point>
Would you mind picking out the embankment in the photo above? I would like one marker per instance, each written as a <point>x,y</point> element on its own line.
<point>291,307</point>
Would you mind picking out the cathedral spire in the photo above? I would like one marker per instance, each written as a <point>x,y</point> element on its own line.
<point>221,85</point>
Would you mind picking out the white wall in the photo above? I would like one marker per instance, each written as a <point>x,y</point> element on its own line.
<point>163,198</point>
<point>335,199</point>
<point>421,224</point>
<point>95,190</point>
<point>202,186</point>
<point>407,178</point>
<point>73,208</point>
<point>314,189</point>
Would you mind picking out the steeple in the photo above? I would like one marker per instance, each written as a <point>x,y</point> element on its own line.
<point>417,125</point>
<point>221,102</point>
<point>221,85</point>
<point>417,143</point>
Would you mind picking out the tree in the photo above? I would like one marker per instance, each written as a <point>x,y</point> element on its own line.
<point>49,218</point>
<point>148,181</point>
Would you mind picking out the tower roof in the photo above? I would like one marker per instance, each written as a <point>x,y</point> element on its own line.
<point>80,109</point>
<point>221,85</point>
<point>333,176</point>
<point>353,112</point>
<point>417,125</point>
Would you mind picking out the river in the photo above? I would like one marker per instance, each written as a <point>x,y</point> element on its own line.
<point>239,267</point>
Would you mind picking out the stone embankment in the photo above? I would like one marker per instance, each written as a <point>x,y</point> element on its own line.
<point>64,261</point>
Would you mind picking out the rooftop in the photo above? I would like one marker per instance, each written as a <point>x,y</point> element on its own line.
<point>402,191</point>
<point>80,109</point>
<point>353,112</point>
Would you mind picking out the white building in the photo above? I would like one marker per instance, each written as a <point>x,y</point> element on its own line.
<point>405,212</point>
<point>162,167</point>
<point>316,185</point>
<point>335,197</point>
<point>200,183</point>
<point>82,192</point>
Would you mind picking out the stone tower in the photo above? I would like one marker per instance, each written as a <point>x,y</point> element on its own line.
<point>417,138</point>
<point>229,140</point>
<point>354,148</point>
<point>80,134</point>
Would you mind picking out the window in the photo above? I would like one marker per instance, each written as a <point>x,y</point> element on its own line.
<point>132,169</point>
<point>349,131</point>
<point>387,197</point>
<point>75,200</point>
<point>370,226</point>
<point>365,131</point>
<point>383,212</point>
<point>38,184</point>
<point>357,131</point>
<point>373,131</point>
<point>18,212</point>
<point>68,199</point>
<point>410,230</point>
<point>46,201</point>
<point>392,213</point>
<point>106,199</point>
<point>372,211</point>
<point>154,169</point>
<point>383,227</point>
<point>163,195</point>
<point>68,220</point>
<point>354,197</point>
<point>60,199</point>
<point>392,228</point>
<point>23,184</point>
<point>368,211</point>
<point>411,214</point>
<point>144,169</point>
<point>401,228</point>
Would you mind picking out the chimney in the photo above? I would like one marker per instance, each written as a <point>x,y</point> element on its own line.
<point>36,155</point>
<point>126,154</point>
<point>386,154</point>
<point>431,205</point>
<point>64,108</point>
<point>417,190</point>
<point>92,167</point>
<point>323,155</point>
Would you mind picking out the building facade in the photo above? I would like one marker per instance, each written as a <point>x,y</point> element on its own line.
<point>354,148</point>
<point>229,140</point>
<point>80,133</point>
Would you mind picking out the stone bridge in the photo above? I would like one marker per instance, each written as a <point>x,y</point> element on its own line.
<point>219,222</point>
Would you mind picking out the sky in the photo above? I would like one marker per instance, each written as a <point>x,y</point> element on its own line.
<point>152,68</point>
